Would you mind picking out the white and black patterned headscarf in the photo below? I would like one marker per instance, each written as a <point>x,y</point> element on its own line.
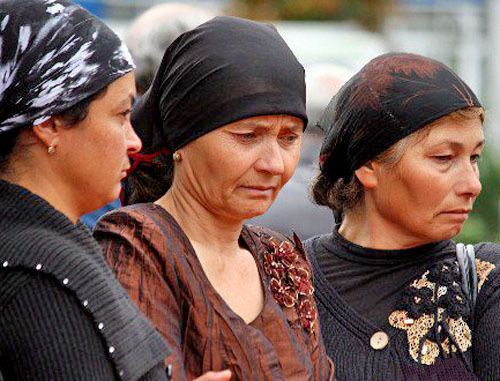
<point>53,54</point>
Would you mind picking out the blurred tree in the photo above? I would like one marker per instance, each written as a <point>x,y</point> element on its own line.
<point>483,223</point>
<point>369,13</point>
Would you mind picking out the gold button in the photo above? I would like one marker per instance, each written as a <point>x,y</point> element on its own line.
<point>379,340</point>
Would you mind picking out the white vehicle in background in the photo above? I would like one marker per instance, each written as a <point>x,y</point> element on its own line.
<point>344,43</point>
<point>331,52</point>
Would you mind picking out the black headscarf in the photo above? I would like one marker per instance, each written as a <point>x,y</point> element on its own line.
<point>225,70</point>
<point>391,97</point>
<point>53,54</point>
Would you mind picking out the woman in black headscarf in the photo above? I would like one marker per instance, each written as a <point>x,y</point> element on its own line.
<point>66,92</point>
<point>399,168</point>
<point>222,126</point>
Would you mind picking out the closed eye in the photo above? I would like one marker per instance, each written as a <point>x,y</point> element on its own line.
<point>290,138</point>
<point>246,137</point>
<point>443,158</point>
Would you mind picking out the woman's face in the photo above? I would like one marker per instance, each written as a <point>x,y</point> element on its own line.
<point>237,171</point>
<point>93,154</point>
<point>428,195</point>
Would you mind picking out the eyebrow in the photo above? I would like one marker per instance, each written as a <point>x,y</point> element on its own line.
<point>457,145</point>
<point>294,127</point>
<point>130,99</point>
<point>260,124</point>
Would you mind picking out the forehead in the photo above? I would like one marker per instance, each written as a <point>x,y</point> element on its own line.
<point>123,85</point>
<point>451,130</point>
<point>120,92</point>
<point>269,121</point>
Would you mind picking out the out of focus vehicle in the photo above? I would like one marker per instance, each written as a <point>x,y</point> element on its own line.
<point>343,43</point>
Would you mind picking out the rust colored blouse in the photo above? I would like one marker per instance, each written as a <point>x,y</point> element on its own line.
<point>155,262</point>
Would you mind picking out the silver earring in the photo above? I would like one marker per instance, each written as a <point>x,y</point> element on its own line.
<point>176,156</point>
<point>51,150</point>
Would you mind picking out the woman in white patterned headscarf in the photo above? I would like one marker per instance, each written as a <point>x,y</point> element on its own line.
<point>66,92</point>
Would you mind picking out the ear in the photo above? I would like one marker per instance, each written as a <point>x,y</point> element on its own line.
<point>368,174</point>
<point>48,131</point>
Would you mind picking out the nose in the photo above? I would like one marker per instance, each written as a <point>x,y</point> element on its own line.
<point>469,184</point>
<point>134,143</point>
<point>271,160</point>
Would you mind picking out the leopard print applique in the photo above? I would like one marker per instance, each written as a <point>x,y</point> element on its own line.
<point>434,312</point>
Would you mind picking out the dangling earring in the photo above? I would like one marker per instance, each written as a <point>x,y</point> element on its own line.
<point>176,156</point>
<point>51,150</point>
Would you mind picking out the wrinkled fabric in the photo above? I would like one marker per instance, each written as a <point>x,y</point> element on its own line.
<point>53,54</point>
<point>155,262</point>
<point>223,71</point>
<point>391,97</point>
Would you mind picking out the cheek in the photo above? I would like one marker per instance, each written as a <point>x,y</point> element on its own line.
<point>425,191</point>
<point>216,169</point>
<point>114,142</point>
<point>290,161</point>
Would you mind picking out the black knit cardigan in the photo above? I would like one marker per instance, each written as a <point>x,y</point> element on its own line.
<point>39,241</point>
<point>347,334</point>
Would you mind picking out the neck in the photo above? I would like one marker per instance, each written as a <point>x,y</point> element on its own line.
<point>367,229</point>
<point>203,227</point>
<point>43,182</point>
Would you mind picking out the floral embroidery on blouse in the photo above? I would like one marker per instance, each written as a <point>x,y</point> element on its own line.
<point>290,279</point>
<point>434,312</point>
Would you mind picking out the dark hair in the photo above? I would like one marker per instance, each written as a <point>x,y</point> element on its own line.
<point>71,116</point>
<point>150,180</point>
<point>339,196</point>
<point>8,141</point>
<point>79,112</point>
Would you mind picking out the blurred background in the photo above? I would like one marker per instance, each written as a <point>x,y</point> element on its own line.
<point>333,39</point>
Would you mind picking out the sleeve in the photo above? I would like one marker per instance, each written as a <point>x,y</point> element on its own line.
<point>486,333</point>
<point>130,245</point>
<point>45,335</point>
<point>155,374</point>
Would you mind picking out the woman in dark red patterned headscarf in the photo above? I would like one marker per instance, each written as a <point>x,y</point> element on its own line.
<point>399,169</point>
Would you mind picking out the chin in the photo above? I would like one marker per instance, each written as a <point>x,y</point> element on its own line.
<point>454,232</point>
<point>115,193</point>
<point>251,213</point>
<point>108,198</point>
<point>448,233</point>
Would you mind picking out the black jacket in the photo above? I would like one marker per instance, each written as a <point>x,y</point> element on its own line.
<point>422,285</point>
<point>63,316</point>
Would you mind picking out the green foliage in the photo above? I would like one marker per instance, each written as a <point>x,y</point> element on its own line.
<point>369,13</point>
<point>483,223</point>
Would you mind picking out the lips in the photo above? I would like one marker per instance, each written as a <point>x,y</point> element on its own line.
<point>459,211</point>
<point>260,187</point>
<point>458,215</point>
<point>125,172</point>
<point>259,190</point>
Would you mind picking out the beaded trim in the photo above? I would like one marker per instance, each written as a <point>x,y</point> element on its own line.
<point>40,267</point>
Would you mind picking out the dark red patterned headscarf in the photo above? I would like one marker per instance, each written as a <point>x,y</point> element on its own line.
<point>391,97</point>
